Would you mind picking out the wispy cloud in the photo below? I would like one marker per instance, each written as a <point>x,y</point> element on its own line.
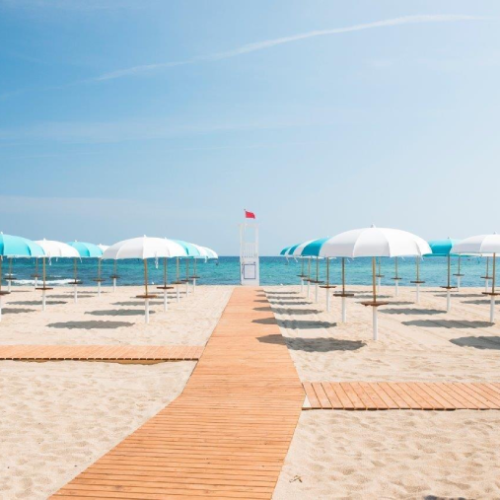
<point>266,44</point>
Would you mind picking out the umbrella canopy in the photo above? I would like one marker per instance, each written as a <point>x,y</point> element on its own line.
<point>86,249</point>
<point>15,246</point>
<point>206,253</point>
<point>311,248</point>
<point>211,254</point>
<point>442,248</point>
<point>57,249</point>
<point>285,250</point>
<point>144,248</point>
<point>375,242</point>
<point>190,249</point>
<point>481,244</point>
<point>102,247</point>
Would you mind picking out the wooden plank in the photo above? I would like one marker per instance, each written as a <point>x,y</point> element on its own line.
<point>228,433</point>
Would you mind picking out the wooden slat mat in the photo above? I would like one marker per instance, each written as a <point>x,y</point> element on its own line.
<point>228,433</point>
<point>99,353</point>
<point>401,396</point>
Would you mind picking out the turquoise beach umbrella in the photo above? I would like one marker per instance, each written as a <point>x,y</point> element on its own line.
<point>86,249</point>
<point>15,246</point>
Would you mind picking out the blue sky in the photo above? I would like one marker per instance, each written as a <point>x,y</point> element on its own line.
<point>127,117</point>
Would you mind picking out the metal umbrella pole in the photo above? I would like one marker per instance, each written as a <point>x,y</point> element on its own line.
<point>396,277</point>
<point>2,292</point>
<point>327,287</point>
<point>165,286</point>
<point>194,276</point>
<point>492,294</point>
<point>187,276</point>
<point>308,277</point>
<point>487,277</point>
<point>146,296</point>
<point>418,281</point>
<point>458,275</point>
<point>98,280</point>
<point>448,287</point>
<point>9,276</point>
<point>316,281</point>
<point>374,303</point>
<point>44,288</point>
<point>379,274</point>
<point>36,275</point>
<point>75,281</point>
<point>302,275</point>
<point>177,281</point>
<point>343,294</point>
<point>114,276</point>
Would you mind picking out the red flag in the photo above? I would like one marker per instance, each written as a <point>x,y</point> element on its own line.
<point>249,215</point>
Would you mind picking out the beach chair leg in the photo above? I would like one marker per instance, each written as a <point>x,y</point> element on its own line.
<point>43,300</point>
<point>301,286</point>
<point>316,290</point>
<point>492,309</point>
<point>417,300</point>
<point>375,324</point>
<point>344,311</point>
<point>146,310</point>
<point>448,301</point>
<point>165,301</point>
<point>75,294</point>
<point>396,289</point>
<point>114,284</point>
<point>458,283</point>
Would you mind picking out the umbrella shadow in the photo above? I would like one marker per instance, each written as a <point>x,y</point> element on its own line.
<point>369,296</point>
<point>412,311</point>
<point>11,310</point>
<point>285,303</point>
<point>447,323</point>
<point>136,303</point>
<point>478,302</point>
<point>263,309</point>
<point>478,342</point>
<point>36,302</point>
<point>90,325</point>
<point>296,324</point>
<point>458,295</point>
<point>317,344</point>
<point>296,311</point>
<point>281,293</point>
<point>119,312</point>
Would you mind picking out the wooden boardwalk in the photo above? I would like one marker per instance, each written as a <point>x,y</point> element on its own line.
<point>228,433</point>
<point>402,396</point>
<point>117,353</point>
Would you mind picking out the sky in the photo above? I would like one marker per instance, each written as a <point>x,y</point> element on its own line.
<point>120,118</point>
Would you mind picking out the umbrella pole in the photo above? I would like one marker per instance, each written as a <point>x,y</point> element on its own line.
<point>487,274</point>
<point>316,287</point>
<point>302,276</point>
<point>165,298</point>
<point>375,317</point>
<point>187,276</point>
<point>146,300</point>
<point>9,281</point>
<point>458,274</point>
<point>492,303</point>
<point>194,274</point>
<point>396,281</point>
<point>308,277</point>
<point>178,276</point>
<point>379,277</point>
<point>36,272</point>
<point>114,276</point>
<point>44,286</point>
<point>99,277</point>
<point>327,284</point>
<point>75,287</point>
<point>344,306</point>
<point>417,285</point>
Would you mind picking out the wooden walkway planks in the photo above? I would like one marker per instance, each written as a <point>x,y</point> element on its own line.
<point>228,433</point>
<point>128,353</point>
<point>401,396</point>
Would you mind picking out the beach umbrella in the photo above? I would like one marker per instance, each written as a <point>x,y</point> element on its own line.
<point>142,248</point>
<point>483,244</point>
<point>192,252</point>
<point>15,246</point>
<point>85,250</point>
<point>374,242</point>
<point>102,248</point>
<point>175,250</point>
<point>297,251</point>
<point>442,248</point>
<point>53,249</point>
<point>205,254</point>
<point>288,252</point>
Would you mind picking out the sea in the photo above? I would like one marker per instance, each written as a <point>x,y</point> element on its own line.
<point>273,271</point>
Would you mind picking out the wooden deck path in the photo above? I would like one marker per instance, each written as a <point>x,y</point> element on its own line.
<point>402,396</point>
<point>117,353</point>
<point>228,433</point>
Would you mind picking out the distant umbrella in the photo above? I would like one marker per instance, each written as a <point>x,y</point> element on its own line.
<point>85,250</point>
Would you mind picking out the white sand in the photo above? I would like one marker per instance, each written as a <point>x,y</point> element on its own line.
<point>392,454</point>
<point>57,418</point>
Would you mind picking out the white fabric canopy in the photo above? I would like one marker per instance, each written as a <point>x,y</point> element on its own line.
<point>375,242</point>
<point>144,248</point>
<point>485,244</point>
<point>57,249</point>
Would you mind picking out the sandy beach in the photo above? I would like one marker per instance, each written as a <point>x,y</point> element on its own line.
<point>392,454</point>
<point>59,417</point>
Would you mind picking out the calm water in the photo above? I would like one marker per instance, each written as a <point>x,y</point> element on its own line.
<point>273,271</point>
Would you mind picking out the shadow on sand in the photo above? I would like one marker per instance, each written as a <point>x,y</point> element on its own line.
<point>319,344</point>
<point>90,325</point>
<point>447,323</point>
<point>296,324</point>
<point>298,312</point>
<point>11,310</point>
<point>37,302</point>
<point>478,342</point>
<point>119,312</point>
<point>412,311</point>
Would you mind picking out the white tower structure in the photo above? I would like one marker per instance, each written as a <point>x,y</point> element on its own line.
<point>249,253</point>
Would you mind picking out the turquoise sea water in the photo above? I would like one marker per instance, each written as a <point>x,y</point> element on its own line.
<point>273,271</point>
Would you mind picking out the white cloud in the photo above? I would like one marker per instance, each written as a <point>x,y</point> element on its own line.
<point>266,44</point>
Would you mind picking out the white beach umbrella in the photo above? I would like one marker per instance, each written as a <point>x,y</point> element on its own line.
<point>296,251</point>
<point>482,244</point>
<point>375,242</point>
<point>176,250</point>
<point>54,249</point>
<point>144,248</point>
